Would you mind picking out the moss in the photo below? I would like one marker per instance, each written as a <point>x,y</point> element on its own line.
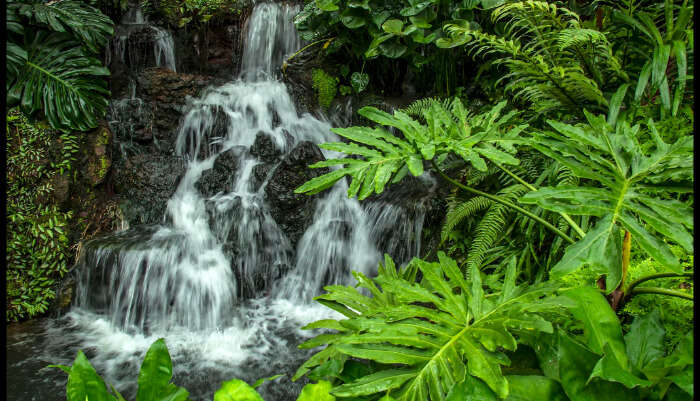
<point>325,85</point>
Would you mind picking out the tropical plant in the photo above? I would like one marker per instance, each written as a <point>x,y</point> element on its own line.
<point>629,178</point>
<point>428,336</point>
<point>52,62</point>
<point>406,30</point>
<point>84,383</point>
<point>552,61</point>
<point>37,252</point>
<point>637,35</point>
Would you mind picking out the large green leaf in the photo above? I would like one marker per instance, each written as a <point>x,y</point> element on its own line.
<point>435,334</point>
<point>156,372</point>
<point>236,390</point>
<point>317,392</point>
<point>623,170</point>
<point>61,79</point>
<point>84,383</point>
<point>83,21</point>
<point>600,324</point>
<point>576,363</point>
<point>644,342</point>
<point>386,158</point>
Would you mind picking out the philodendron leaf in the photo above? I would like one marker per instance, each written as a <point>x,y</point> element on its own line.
<point>436,333</point>
<point>528,388</point>
<point>601,249</point>
<point>575,364</point>
<point>236,390</point>
<point>645,340</point>
<point>154,377</point>
<point>608,368</point>
<point>471,388</point>
<point>359,81</point>
<point>84,383</point>
<point>393,26</point>
<point>316,392</point>
<point>600,324</point>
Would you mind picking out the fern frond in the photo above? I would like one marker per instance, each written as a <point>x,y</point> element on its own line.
<point>492,226</point>
<point>418,107</point>
<point>461,212</point>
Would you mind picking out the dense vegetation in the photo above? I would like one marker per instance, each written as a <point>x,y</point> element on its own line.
<point>565,132</point>
<point>572,204</point>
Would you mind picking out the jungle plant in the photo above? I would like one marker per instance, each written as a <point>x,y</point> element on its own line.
<point>326,87</point>
<point>428,336</point>
<point>552,61</point>
<point>84,383</point>
<point>629,178</point>
<point>670,44</point>
<point>385,30</point>
<point>52,62</point>
<point>37,229</point>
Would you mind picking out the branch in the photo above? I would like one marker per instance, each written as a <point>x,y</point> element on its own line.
<point>531,187</point>
<point>660,291</point>
<point>656,276</point>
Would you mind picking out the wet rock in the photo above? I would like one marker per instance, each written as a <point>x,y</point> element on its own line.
<point>221,177</point>
<point>61,188</point>
<point>144,184</point>
<point>265,148</point>
<point>293,212</point>
<point>166,93</point>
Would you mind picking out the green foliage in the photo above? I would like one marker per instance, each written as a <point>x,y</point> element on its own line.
<point>472,137</point>
<point>552,61</point>
<point>197,12</point>
<point>676,314</point>
<point>53,65</point>
<point>427,336</point>
<point>326,87</point>
<point>37,243</point>
<point>84,383</point>
<point>386,31</point>
<point>630,178</point>
<point>670,44</point>
<point>605,365</point>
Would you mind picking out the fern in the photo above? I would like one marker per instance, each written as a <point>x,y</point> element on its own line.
<point>492,225</point>
<point>427,336</point>
<point>418,107</point>
<point>457,214</point>
<point>552,61</point>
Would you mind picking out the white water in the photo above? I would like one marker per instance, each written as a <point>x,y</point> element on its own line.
<point>133,23</point>
<point>177,281</point>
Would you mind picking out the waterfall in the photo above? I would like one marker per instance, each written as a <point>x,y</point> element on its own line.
<point>133,36</point>
<point>196,278</point>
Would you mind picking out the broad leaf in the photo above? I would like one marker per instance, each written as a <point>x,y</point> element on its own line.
<point>236,390</point>
<point>435,334</point>
<point>61,79</point>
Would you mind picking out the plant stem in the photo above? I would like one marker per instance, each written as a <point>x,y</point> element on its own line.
<point>286,62</point>
<point>656,276</point>
<point>531,187</point>
<point>660,291</point>
<point>496,198</point>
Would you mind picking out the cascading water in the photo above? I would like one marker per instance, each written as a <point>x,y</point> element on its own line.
<point>192,279</point>
<point>131,37</point>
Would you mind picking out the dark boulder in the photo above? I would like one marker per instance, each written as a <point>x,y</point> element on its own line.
<point>144,184</point>
<point>221,177</point>
<point>265,148</point>
<point>293,212</point>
